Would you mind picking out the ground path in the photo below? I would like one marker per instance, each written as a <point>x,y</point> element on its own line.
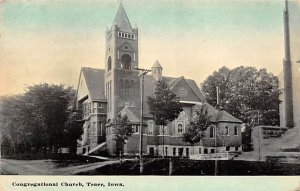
<point>45,167</point>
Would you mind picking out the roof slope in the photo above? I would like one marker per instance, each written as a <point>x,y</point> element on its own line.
<point>95,82</point>
<point>122,21</point>
<point>130,113</point>
<point>220,116</point>
<point>226,117</point>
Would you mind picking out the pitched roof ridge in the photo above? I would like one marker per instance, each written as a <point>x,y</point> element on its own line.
<point>218,115</point>
<point>176,81</point>
<point>201,98</point>
<point>94,80</point>
<point>194,90</point>
<point>87,85</point>
<point>234,119</point>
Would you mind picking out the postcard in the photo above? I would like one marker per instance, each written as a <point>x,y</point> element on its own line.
<point>146,95</point>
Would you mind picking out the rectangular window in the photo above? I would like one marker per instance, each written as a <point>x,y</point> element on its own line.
<point>99,107</point>
<point>94,128</point>
<point>200,150</point>
<point>90,108</point>
<point>226,130</point>
<point>162,130</point>
<point>235,130</point>
<point>94,107</point>
<point>100,128</point>
<point>180,152</point>
<point>84,110</point>
<point>166,151</point>
<point>150,128</point>
<point>151,151</point>
<point>212,150</point>
<point>228,148</point>
<point>205,151</point>
<point>211,132</point>
<point>187,152</point>
<point>135,128</point>
<point>174,151</point>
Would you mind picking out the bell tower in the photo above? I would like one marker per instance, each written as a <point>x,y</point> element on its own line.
<point>121,58</point>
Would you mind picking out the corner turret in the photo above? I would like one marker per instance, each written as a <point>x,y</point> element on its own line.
<point>157,70</point>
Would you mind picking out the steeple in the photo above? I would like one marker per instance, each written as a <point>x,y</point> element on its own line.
<point>121,20</point>
<point>287,72</point>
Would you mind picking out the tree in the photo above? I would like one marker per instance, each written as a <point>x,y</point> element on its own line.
<point>13,130</point>
<point>164,105</point>
<point>122,130</point>
<point>243,91</point>
<point>37,120</point>
<point>197,127</point>
<point>72,132</point>
<point>48,109</point>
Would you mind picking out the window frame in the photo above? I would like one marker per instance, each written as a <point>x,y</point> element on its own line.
<point>236,131</point>
<point>227,131</point>
<point>213,134</point>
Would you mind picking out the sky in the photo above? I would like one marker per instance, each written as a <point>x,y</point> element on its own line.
<point>50,40</point>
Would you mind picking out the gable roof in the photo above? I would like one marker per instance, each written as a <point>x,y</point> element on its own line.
<point>226,117</point>
<point>150,84</point>
<point>191,83</point>
<point>122,21</point>
<point>220,116</point>
<point>131,114</point>
<point>95,82</point>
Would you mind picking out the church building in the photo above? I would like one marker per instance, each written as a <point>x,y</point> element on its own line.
<point>103,94</point>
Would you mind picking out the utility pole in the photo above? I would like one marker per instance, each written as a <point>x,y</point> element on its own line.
<point>163,141</point>
<point>259,128</point>
<point>142,74</point>
<point>216,129</point>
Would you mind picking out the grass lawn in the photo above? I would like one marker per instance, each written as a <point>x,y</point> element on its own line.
<point>205,167</point>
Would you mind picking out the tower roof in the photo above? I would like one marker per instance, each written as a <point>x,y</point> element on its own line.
<point>121,20</point>
<point>156,64</point>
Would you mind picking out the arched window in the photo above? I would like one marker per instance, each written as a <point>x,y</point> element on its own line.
<point>211,132</point>
<point>109,64</point>
<point>180,123</point>
<point>126,62</point>
<point>180,128</point>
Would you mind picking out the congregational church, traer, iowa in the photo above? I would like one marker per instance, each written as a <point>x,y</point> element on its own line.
<point>102,94</point>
